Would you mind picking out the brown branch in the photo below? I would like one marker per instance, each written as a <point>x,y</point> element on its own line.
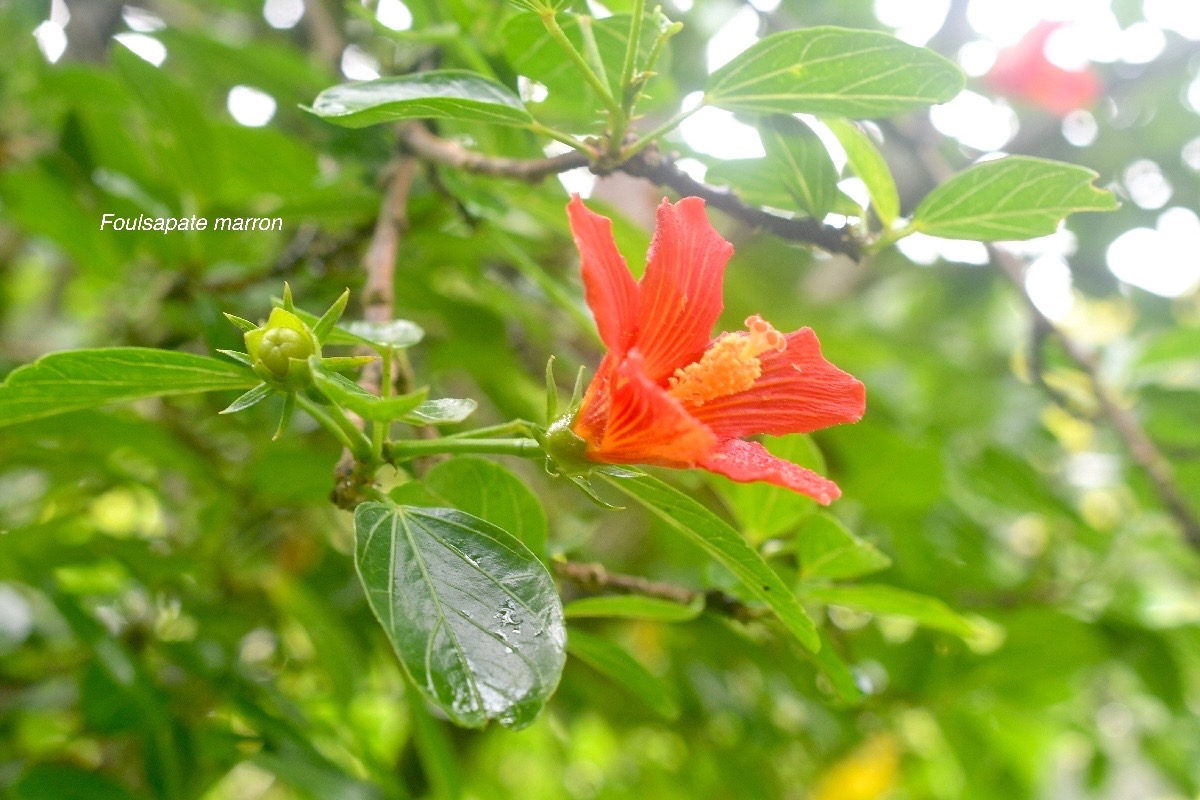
<point>422,142</point>
<point>661,170</point>
<point>379,295</point>
<point>1039,334</point>
<point>325,32</point>
<point>595,578</point>
<point>379,292</point>
<point>650,165</point>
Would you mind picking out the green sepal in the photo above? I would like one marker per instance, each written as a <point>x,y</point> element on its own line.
<point>244,324</point>
<point>343,392</point>
<point>551,392</point>
<point>343,363</point>
<point>289,408</point>
<point>577,392</point>
<point>324,325</point>
<point>585,486</point>
<point>250,398</point>
<point>565,450</point>
<point>241,358</point>
<point>288,304</point>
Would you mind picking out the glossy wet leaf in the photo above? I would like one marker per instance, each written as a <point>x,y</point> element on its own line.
<point>444,411</point>
<point>77,379</point>
<point>490,492</point>
<point>472,614</point>
<point>395,333</point>
<point>828,70</point>
<point>1016,197</point>
<point>616,664</point>
<point>632,606</point>
<point>444,94</point>
<point>825,548</point>
<point>725,545</point>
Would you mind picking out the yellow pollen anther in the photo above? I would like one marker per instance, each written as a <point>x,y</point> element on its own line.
<point>728,366</point>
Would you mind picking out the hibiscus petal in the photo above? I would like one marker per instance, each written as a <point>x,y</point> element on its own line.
<point>592,417</point>
<point>746,462</point>
<point>681,290</point>
<point>611,291</point>
<point>798,392</point>
<point>645,425</point>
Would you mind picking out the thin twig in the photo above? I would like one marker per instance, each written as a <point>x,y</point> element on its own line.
<point>1140,446</point>
<point>421,142</point>
<point>595,578</point>
<point>1039,334</point>
<point>649,164</point>
<point>663,171</point>
<point>378,299</point>
<point>325,32</point>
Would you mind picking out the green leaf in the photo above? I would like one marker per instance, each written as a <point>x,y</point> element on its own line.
<point>632,606</point>
<point>1011,198</point>
<point>445,411</point>
<point>316,778</point>
<point>724,544</point>
<point>395,333</point>
<point>826,549</point>
<point>349,395</point>
<point>67,782</point>
<point>765,510</point>
<point>75,379</point>
<point>472,614</point>
<point>836,671</point>
<point>435,749</point>
<point>617,665</point>
<point>865,161</point>
<point>888,600</point>
<point>446,94</point>
<point>490,492</point>
<point>756,181</point>
<point>809,174</point>
<point>532,52</point>
<point>827,70</point>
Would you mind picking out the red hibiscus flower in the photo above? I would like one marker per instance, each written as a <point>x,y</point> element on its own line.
<point>666,394</point>
<point>1024,73</point>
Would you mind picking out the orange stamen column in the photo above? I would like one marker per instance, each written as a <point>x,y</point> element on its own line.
<point>729,365</point>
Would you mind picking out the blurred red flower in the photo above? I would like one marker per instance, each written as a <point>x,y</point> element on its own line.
<point>665,393</point>
<point>1024,73</point>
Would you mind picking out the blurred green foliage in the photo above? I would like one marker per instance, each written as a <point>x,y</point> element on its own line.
<point>179,611</point>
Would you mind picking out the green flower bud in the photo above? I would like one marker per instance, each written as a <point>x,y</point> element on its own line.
<point>280,344</point>
<point>280,349</point>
